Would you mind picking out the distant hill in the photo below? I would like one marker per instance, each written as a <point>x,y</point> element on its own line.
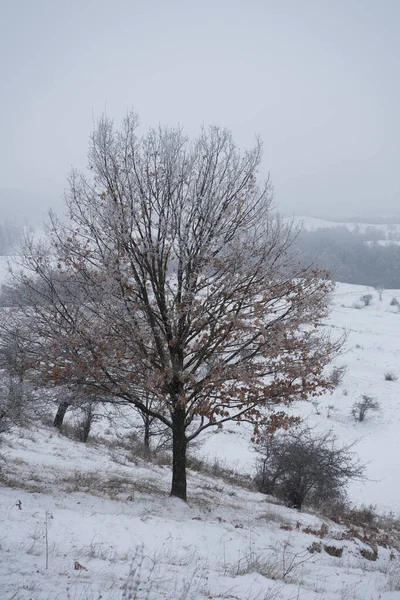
<point>388,230</point>
<point>358,253</point>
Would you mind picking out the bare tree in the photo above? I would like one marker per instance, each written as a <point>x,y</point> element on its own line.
<point>15,395</point>
<point>174,277</point>
<point>380,289</point>
<point>302,466</point>
<point>365,405</point>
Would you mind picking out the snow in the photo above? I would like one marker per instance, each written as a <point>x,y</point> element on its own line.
<point>211,547</point>
<point>372,348</point>
<point>314,223</point>
<point>109,511</point>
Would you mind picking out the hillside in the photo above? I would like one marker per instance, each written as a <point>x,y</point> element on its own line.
<point>386,229</point>
<point>372,349</point>
<point>109,510</point>
<point>356,253</point>
<point>113,533</point>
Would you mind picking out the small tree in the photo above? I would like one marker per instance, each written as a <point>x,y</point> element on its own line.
<point>365,405</point>
<point>380,289</point>
<point>15,393</point>
<point>174,277</point>
<point>303,466</point>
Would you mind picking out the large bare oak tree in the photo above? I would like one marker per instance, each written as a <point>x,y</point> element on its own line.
<point>174,280</point>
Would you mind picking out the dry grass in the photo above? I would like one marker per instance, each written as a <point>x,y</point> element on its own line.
<point>366,524</point>
<point>131,449</point>
<point>218,470</point>
<point>112,487</point>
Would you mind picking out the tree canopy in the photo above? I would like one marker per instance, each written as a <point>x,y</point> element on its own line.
<point>174,279</point>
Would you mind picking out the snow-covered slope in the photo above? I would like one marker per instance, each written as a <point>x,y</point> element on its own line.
<point>89,522</point>
<point>313,223</point>
<point>372,348</point>
<point>110,511</point>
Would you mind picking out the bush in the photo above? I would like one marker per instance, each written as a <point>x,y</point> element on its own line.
<point>337,375</point>
<point>362,407</point>
<point>366,299</point>
<point>15,402</point>
<point>390,376</point>
<point>394,302</point>
<point>301,466</point>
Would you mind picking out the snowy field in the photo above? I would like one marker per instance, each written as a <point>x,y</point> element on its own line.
<point>84,522</point>
<point>313,223</point>
<point>371,350</point>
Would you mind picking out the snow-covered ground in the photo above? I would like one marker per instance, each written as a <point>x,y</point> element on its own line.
<point>90,522</point>
<point>109,514</point>
<point>372,349</point>
<point>313,223</point>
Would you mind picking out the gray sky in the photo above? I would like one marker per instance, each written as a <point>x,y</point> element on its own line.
<point>317,79</point>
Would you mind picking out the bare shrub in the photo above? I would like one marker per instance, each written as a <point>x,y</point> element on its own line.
<point>366,299</point>
<point>331,408</point>
<point>361,408</point>
<point>316,404</point>
<point>157,576</point>
<point>321,532</point>
<point>390,376</point>
<point>337,375</point>
<point>281,562</point>
<point>394,301</point>
<point>333,550</point>
<point>85,481</point>
<point>369,554</point>
<point>303,467</point>
<point>364,523</point>
<point>365,516</point>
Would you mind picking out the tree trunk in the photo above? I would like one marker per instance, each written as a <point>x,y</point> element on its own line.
<point>146,439</point>
<point>294,499</point>
<point>87,422</point>
<point>59,418</point>
<point>179,446</point>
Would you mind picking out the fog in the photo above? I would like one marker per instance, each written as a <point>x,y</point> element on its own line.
<point>317,79</point>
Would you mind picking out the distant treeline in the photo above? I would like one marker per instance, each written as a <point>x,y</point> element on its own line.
<point>10,236</point>
<point>352,257</point>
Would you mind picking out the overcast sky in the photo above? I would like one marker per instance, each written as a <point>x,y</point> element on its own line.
<point>317,79</point>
